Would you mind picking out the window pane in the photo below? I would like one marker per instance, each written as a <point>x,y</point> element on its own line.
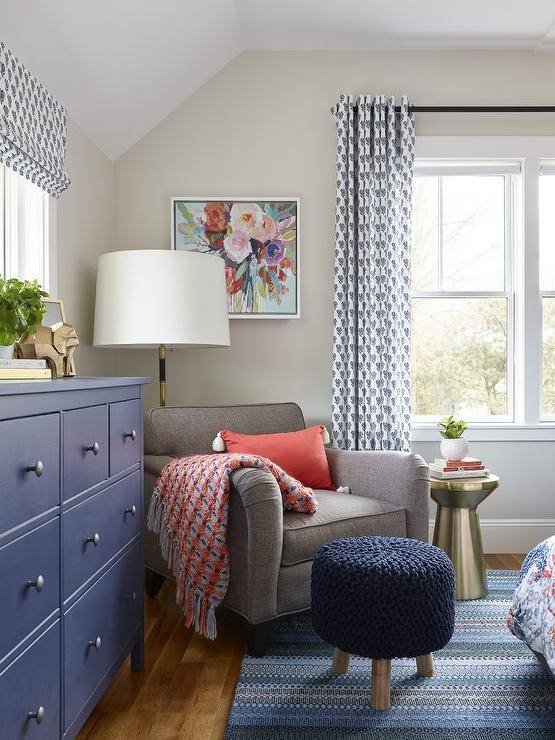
<point>26,229</point>
<point>425,233</point>
<point>473,216</point>
<point>459,357</point>
<point>547,232</point>
<point>548,380</point>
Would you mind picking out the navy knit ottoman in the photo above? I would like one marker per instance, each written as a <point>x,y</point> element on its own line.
<point>383,598</point>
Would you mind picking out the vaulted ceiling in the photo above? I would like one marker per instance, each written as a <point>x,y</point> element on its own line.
<point>121,66</point>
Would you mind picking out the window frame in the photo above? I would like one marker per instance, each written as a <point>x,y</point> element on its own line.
<point>508,172</point>
<point>526,313</point>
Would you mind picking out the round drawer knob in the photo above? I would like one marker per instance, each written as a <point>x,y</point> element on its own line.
<point>132,435</point>
<point>38,584</point>
<point>37,468</point>
<point>132,596</point>
<point>38,716</point>
<point>95,539</point>
<point>96,644</point>
<point>94,448</point>
<point>131,510</point>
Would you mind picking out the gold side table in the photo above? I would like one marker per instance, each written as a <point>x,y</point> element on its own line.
<point>457,530</point>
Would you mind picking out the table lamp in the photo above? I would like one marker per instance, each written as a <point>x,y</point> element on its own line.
<point>155,297</point>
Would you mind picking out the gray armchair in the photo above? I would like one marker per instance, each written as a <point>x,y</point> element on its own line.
<point>270,551</point>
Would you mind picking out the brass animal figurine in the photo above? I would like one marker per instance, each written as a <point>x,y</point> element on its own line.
<point>56,344</point>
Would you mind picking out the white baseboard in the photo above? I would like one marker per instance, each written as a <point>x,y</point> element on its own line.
<point>512,535</point>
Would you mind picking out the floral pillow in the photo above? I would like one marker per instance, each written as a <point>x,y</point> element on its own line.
<point>532,614</point>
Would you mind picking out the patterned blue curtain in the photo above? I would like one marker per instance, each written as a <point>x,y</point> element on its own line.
<point>371,323</point>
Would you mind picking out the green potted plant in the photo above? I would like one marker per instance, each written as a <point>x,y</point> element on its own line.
<point>453,446</point>
<point>21,311</point>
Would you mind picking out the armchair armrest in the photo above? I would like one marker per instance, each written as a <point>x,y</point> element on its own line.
<point>254,536</point>
<point>255,539</point>
<point>400,478</point>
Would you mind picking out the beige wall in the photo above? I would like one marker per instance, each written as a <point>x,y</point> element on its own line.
<point>262,127</point>
<point>85,217</point>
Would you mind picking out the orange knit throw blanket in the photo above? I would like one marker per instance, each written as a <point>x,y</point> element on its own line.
<point>189,509</point>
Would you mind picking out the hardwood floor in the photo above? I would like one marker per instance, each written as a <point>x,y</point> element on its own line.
<point>186,688</point>
<point>508,562</point>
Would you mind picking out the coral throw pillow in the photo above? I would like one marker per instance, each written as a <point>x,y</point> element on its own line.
<point>301,454</point>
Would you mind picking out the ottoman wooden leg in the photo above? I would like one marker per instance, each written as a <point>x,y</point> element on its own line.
<point>381,679</point>
<point>425,665</point>
<point>340,662</point>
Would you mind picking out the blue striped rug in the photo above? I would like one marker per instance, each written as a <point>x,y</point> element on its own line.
<point>487,686</point>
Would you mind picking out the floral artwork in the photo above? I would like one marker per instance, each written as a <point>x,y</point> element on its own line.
<point>258,240</point>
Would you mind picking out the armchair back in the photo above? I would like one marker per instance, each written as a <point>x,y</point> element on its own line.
<point>189,430</point>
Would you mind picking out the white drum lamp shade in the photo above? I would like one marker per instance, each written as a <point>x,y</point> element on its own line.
<point>150,298</point>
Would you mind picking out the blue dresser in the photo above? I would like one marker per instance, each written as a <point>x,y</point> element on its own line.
<point>71,551</point>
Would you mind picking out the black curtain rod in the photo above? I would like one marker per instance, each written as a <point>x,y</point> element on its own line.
<point>480,108</point>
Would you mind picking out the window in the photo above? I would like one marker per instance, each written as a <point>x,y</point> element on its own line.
<point>547,286</point>
<point>484,286</point>
<point>24,229</point>
<point>463,298</point>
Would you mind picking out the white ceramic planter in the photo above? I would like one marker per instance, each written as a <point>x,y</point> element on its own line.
<point>454,449</point>
<point>6,351</point>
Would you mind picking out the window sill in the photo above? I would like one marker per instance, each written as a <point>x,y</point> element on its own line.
<point>501,432</point>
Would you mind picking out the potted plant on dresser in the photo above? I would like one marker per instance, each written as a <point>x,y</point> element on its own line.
<point>21,311</point>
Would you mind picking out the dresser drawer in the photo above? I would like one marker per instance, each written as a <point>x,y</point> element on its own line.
<point>125,435</point>
<point>30,578</point>
<point>85,448</point>
<point>32,442</point>
<point>109,610</point>
<point>97,528</point>
<point>30,683</point>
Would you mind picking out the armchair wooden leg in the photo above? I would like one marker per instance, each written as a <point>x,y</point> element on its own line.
<point>381,681</point>
<point>340,662</point>
<point>425,665</point>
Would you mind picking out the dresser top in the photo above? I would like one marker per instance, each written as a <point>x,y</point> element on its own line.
<point>19,387</point>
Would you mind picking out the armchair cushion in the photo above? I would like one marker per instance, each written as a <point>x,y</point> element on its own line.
<point>338,515</point>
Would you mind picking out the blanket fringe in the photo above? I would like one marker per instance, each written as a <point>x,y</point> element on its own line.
<point>196,607</point>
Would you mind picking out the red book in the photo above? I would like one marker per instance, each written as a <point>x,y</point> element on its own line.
<point>467,463</point>
<point>450,468</point>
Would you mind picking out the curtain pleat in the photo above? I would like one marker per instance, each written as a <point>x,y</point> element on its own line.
<point>32,127</point>
<point>371,323</point>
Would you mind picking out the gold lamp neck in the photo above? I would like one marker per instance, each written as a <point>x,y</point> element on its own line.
<point>162,373</point>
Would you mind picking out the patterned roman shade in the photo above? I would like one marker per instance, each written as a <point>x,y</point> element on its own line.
<point>32,127</point>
